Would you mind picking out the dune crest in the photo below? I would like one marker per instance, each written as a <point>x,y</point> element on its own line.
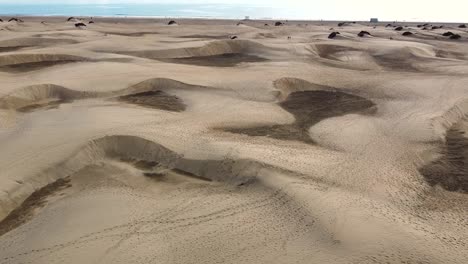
<point>29,62</point>
<point>222,53</point>
<point>37,96</point>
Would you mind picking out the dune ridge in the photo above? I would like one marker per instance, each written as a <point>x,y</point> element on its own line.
<point>122,147</point>
<point>29,62</point>
<point>221,53</point>
<point>41,95</point>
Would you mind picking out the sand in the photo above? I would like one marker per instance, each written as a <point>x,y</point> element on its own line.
<point>132,141</point>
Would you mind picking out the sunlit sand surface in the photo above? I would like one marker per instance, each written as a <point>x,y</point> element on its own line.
<point>132,141</point>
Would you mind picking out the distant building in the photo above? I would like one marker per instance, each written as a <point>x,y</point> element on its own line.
<point>247,18</point>
<point>374,20</point>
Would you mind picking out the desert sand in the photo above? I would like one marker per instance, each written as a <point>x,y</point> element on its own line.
<point>135,141</point>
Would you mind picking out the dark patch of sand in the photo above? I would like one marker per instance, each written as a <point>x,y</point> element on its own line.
<point>451,170</point>
<point>190,175</point>
<point>330,51</point>
<point>43,106</point>
<point>141,164</point>
<point>54,35</point>
<point>32,66</point>
<point>29,207</point>
<point>152,170</point>
<point>223,60</point>
<point>447,54</point>
<point>206,36</point>
<point>309,108</point>
<point>155,175</point>
<point>12,48</point>
<point>398,63</point>
<point>155,99</point>
<point>131,34</point>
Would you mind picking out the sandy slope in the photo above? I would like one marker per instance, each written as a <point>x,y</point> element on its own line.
<point>132,141</point>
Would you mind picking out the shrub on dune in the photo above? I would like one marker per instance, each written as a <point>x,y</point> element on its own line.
<point>364,33</point>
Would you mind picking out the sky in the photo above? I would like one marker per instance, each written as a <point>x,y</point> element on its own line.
<point>409,10</point>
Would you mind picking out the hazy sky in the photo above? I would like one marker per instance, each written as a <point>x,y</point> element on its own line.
<point>421,10</point>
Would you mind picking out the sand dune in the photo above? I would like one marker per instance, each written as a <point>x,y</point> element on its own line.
<point>380,55</point>
<point>284,147</point>
<point>30,62</point>
<point>147,156</point>
<point>224,53</point>
<point>33,42</point>
<point>450,171</point>
<point>38,96</point>
<point>309,108</point>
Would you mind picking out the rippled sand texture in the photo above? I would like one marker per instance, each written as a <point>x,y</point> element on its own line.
<point>131,141</point>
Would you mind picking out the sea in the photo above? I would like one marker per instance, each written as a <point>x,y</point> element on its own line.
<point>214,11</point>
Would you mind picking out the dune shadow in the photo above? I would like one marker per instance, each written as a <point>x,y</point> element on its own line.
<point>222,60</point>
<point>131,34</point>
<point>329,51</point>
<point>26,210</point>
<point>32,66</point>
<point>309,108</point>
<point>155,99</point>
<point>451,170</point>
<point>392,62</point>
<point>12,48</point>
<point>218,53</point>
<point>206,36</point>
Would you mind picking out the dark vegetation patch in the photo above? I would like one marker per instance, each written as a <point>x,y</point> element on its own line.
<point>222,60</point>
<point>333,35</point>
<point>155,99</point>
<point>26,211</point>
<point>14,19</point>
<point>342,24</point>
<point>451,170</point>
<point>364,33</point>
<point>309,108</point>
